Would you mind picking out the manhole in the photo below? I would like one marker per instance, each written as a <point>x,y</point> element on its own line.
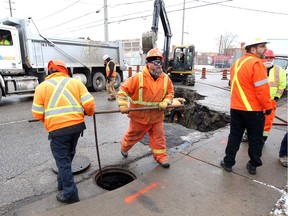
<point>113,178</point>
<point>80,163</point>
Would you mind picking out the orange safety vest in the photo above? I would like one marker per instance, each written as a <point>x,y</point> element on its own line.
<point>144,91</point>
<point>108,69</point>
<point>59,102</point>
<point>249,84</point>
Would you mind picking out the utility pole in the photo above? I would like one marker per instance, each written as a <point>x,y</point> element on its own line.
<point>105,21</point>
<point>183,19</point>
<point>10,7</point>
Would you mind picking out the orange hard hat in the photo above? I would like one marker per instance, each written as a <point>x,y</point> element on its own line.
<point>154,54</point>
<point>57,65</point>
<point>269,53</point>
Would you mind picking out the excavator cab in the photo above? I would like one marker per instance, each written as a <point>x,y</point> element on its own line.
<point>181,66</point>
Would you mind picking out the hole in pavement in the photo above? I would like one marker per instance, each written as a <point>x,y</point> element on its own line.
<point>195,116</point>
<point>113,178</point>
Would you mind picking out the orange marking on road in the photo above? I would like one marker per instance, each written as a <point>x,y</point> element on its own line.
<point>131,198</point>
<point>223,141</point>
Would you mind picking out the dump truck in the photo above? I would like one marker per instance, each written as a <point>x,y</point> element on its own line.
<point>23,62</point>
<point>178,68</point>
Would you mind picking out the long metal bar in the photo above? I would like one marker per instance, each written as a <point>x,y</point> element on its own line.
<point>131,109</point>
<point>97,148</point>
<point>281,119</point>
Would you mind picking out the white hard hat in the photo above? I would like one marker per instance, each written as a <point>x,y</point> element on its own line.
<point>255,41</point>
<point>105,57</point>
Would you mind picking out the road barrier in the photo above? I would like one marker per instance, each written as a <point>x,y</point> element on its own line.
<point>224,75</point>
<point>203,73</point>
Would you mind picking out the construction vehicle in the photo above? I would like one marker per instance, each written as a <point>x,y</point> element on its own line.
<point>179,68</point>
<point>23,63</point>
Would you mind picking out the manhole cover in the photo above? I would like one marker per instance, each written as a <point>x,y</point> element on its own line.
<point>113,178</point>
<point>80,163</point>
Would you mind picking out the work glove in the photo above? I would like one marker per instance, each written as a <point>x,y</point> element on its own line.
<point>178,101</point>
<point>175,102</point>
<point>276,98</point>
<point>124,109</point>
<point>108,79</point>
<point>268,112</point>
<point>163,105</point>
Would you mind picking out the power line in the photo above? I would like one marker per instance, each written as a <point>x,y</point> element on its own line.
<point>187,8</point>
<point>60,10</point>
<point>249,9</point>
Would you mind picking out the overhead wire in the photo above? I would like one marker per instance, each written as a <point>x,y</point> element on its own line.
<point>219,3</point>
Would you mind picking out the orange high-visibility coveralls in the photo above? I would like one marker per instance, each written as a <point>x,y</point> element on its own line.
<point>142,90</point>
<point>277,82</point>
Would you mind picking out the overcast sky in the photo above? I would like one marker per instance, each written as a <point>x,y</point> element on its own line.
<point>204,20</point>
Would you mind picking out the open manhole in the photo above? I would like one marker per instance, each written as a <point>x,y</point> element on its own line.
<point>112,178</point>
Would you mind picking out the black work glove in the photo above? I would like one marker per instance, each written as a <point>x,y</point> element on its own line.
<point>268,112</point>
<point>108,79</point>
<point>276,98</point>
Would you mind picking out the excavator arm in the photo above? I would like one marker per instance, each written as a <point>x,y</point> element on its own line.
<point>149,38</point>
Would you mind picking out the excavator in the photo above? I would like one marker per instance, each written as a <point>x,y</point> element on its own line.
<point>180,67</point>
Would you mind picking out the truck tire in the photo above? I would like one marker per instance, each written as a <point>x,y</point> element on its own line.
<point>99,81</point>
<point>117,81</point>
<point>0,93</point>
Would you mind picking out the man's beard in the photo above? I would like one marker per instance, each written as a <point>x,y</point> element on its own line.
<point>156,72</point>
<point>268,64</point>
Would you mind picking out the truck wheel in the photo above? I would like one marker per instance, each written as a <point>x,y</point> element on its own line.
<point>98,81</point>
<point>117,81</point>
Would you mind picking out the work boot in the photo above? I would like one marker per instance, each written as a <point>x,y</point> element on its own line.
<point>251,169</point>
<point>225,167</point>
<point>165,164</point>
<point>60,198</point>
<point>245,137</point>
<point>124,154</point>
<point>111,98</point>
<point>283,161</point>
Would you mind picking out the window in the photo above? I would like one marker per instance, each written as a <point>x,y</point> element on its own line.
<point>5,38</point>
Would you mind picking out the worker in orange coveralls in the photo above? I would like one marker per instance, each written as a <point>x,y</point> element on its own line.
<point>277,80</point>
<point>151,87</point>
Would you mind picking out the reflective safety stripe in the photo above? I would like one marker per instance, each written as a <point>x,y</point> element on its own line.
<point>140,96</point>
<point>61,91</point>
<point>261,82</point>
<point>158,151</point>
<point>86,98</point>
<point>275,81</point>
<point>235,79</point>
<point>38,108</point>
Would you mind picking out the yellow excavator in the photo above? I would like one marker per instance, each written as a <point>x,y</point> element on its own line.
<point>181,67</point>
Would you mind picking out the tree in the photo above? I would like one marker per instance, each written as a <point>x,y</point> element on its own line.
<point>226,42</point>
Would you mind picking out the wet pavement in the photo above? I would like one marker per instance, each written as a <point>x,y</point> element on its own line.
<point>195,184</point>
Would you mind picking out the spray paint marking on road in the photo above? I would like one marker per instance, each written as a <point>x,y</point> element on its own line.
<point>131,198</point>
<point>223,141</point>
